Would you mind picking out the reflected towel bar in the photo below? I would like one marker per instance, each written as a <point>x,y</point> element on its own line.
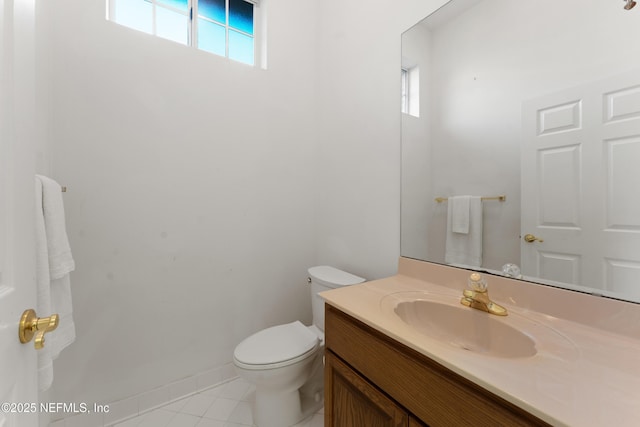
<point>499,198</point>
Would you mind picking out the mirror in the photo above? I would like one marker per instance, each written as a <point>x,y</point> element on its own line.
<point>537,102</point>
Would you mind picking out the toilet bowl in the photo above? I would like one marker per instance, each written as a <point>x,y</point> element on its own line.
<point>285,362</point>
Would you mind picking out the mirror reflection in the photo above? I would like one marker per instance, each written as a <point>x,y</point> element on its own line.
<point>520,141</point>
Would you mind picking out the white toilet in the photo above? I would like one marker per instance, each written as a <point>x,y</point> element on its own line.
<point>285,362</point>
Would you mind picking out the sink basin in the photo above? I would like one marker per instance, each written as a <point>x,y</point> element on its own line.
<point>466,328</point>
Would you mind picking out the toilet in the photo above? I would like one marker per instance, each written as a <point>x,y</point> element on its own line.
<point>285,362</point>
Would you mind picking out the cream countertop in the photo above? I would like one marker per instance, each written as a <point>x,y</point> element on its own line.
<point>586,371</point>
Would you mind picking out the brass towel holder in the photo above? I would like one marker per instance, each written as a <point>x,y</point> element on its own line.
<point>500,198</point>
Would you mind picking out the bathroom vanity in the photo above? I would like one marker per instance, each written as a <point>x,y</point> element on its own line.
<point>376,381</point>
<point>383,369</point>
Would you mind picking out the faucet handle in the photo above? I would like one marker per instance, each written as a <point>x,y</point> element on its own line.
<point>477,283</point>
<point>511,270</point>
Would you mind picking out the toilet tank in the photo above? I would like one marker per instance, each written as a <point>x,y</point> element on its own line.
<point>324,278</point>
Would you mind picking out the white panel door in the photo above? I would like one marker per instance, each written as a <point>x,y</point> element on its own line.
<point>18,364</point>
<point>581,185</point>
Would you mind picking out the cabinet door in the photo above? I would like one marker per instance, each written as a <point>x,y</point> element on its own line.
<point>351,401</point>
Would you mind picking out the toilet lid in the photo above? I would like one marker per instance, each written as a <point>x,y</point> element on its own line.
<point>276,344</point>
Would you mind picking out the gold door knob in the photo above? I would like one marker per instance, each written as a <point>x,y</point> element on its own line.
<point>530,238</point>
<point>31,325</point>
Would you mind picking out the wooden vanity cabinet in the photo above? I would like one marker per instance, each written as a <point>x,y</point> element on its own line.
<point>355,402</point>
<point>372,380</point>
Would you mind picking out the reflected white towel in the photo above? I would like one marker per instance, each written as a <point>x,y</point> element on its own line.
<point>459,206</point>
<point>465,249</point>
<point>54,262</point>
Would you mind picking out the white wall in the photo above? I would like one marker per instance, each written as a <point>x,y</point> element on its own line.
<point>201,190</point>
<point>359,131</point>
<point>417,196</point>
<point>190,208</point>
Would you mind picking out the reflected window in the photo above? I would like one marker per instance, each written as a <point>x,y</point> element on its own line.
<point>222,27</point>
<point>404,76</point>
<point>410,96</point>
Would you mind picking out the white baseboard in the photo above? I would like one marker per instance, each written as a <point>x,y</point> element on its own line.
<point>133,406</point>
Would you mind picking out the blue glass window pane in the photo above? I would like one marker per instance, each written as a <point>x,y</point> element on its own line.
<point>241,16</point>
<point>213,9</point>
<point>211,37</point>
<point>241,47</point>
<point>172,25</point>
<point>137,14</point>
<point>178,4</point>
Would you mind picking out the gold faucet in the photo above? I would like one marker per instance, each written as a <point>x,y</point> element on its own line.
<point>478,296</point>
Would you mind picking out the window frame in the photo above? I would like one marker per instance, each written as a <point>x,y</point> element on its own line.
<point>259,57</point>
<point>410,90</point>
<point>404,90</point>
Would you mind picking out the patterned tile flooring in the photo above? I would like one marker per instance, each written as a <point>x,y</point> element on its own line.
<point>226,405</point>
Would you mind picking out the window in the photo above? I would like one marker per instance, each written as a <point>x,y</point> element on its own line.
<point>410,95</point>
<point>223,27</point>
<point>404,76</point>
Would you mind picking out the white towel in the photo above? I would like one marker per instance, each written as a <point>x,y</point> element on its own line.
<point>54,262</point>
<point>43,284</point>
<point>465,249</point>
<point>459,206</point>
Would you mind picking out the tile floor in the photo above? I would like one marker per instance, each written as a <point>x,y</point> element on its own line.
<point>226,405</point>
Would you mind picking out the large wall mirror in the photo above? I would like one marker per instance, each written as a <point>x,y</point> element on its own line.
<point>534,107</point>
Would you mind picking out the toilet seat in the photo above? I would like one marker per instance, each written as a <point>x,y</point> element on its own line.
<point>317,332</point>
<point>276,347</point>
